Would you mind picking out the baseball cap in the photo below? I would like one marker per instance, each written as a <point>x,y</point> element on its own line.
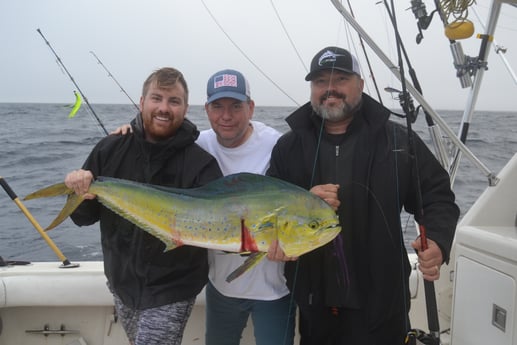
<point>333,58</point>
<point>227,83</point>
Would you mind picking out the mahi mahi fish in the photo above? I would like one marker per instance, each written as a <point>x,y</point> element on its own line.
<point>240,213</point>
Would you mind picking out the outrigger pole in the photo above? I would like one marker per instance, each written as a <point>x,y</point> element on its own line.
<point>51,244</point>
<point>115,80</point>
<point>73,81</point>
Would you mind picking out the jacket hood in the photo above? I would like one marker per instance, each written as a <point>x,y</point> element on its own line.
<point>187,132</point>
<point>186,135</point>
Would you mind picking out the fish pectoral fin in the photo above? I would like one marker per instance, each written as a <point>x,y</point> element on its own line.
<point>72,203</point>
<point>269,221</point>
<point>250,262</point>
<point>225,252</point>
<point>50,191</point>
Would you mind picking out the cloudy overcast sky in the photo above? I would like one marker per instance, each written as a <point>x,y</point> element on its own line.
<point>271,42</point>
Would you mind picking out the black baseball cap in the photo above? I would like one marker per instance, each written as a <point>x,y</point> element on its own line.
<point>333,58</point>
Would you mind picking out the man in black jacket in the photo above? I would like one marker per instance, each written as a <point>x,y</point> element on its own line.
<point>344,148</point>
<point>154,291</point>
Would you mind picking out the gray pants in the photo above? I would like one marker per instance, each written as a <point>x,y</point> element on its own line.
<point>163,325</point>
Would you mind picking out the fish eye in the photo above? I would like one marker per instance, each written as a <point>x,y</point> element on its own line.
<point>313,225</point>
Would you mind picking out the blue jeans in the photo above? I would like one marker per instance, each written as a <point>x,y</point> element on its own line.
<point>226,318</point>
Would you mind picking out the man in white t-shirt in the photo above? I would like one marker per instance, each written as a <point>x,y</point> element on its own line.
<point>242,145</point>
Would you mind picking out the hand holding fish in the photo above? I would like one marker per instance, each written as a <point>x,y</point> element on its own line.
<point>429,260</point>
<point>80,181</point>
<point>327,192</point>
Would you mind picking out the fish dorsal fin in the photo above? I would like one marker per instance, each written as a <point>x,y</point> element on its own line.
<point>230,185</point>
<point>241,183</point>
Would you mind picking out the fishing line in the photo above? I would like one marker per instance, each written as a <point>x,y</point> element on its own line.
<point>289,37</point>
<point>51,244</point>
<point>246,56</point>
<point>367,59</point>
<point>115,80</point>
<point>61,64</point>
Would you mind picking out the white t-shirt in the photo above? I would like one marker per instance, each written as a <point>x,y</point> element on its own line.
<point>266,280</point>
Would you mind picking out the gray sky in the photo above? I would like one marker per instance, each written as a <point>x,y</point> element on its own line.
<point>134,37</point>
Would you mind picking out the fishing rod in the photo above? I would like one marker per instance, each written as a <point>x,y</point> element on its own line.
<point>115,80</point>
<point>434,130</point>
<point>73,81</point>
<point>492,177</point>
<point>65,262</point>
<point>408,107</point>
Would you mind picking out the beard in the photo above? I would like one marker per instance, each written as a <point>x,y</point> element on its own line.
<point>338,112</point>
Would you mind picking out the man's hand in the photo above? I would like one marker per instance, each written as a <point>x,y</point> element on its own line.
<point>122,130</point>
<point>327,192</point>
<point>429,260</point>
<point>80,181</point>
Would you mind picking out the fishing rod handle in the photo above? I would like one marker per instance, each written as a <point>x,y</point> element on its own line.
<point>7,188</point>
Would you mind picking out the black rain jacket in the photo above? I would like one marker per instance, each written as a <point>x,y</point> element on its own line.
<point>375,273</point>
<point>137,268</point>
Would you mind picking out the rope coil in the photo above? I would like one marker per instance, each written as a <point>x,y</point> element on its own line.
<point>457,9</point>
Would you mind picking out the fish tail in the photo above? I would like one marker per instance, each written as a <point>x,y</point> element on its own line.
<point>250,262</point>
<point>71,204</point>
<point>50,191</point>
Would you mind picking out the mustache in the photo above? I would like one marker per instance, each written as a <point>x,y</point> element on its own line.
<point>332,94</point>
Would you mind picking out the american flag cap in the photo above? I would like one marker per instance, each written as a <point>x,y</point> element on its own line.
<point>227,83</point>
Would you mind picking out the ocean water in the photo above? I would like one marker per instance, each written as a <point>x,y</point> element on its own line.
<point>39,145</point>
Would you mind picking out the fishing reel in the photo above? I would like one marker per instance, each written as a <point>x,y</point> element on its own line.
<point>423,20</point>
<point>406,103</point>
<point>419,337</point>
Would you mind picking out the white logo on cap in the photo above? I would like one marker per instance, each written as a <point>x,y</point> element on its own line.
<point>328,56</point>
